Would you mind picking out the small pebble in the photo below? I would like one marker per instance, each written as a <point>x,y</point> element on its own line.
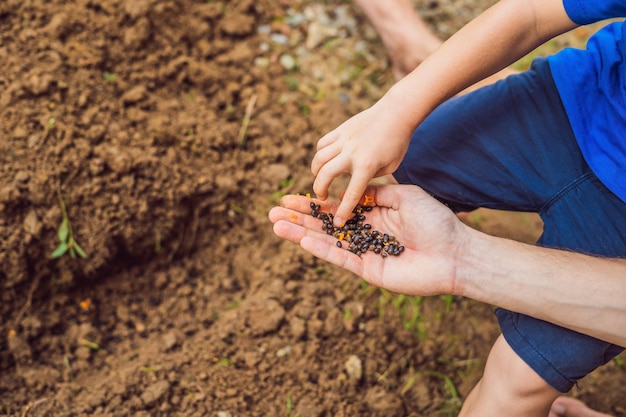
<point>280,353</point>
<point>288,62</point>
<point>354,368</point>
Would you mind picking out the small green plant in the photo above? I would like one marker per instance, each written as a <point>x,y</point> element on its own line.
<point>284,187</point>
<point>236,209</point>
<point>447,299</point>
<point>68,367</point>
<point>289,405</point>
<point>223,362</point>
<point>292,83</point>
<point>67,244</point>
<point>452,405</point>
<point>48,127</point>
<point>304,108</point>
<point>88,343</point>
<point>109,76</point>
<point>233,304</point>
<point>191,95</point>
<point>409,309</point>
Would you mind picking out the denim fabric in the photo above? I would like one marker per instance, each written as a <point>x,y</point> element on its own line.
<point>509,146</point>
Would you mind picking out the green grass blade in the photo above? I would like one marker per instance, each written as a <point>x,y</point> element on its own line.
<point>79,251</point>
<point>64,230</point>
<point>59,251</point>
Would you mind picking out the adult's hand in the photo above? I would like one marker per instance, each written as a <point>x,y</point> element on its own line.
<point>444,256</point>
<point>429,231</point>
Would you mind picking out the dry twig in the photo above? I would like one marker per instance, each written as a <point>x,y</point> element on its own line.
<point>243,131</point>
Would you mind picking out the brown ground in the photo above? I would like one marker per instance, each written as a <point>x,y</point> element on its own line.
<point>132,112</point>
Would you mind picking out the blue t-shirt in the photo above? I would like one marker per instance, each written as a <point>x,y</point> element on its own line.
<point>592,86</point>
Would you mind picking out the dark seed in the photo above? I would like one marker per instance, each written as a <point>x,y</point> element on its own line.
<point>359,235</point>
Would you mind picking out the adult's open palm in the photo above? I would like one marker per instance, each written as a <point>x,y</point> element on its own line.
<point>428,230</point>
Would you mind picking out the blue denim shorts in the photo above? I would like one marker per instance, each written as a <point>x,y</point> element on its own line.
<point>509,146</point>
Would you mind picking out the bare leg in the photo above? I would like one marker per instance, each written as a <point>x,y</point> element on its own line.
<point>406,37</point>
<point>508,387</point>
<point>569,407</point>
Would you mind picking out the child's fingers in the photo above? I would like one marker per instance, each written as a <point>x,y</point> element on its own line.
<point>326,140</point>
<point>352,196</point>
<point>331,170</point>
<point>323,156</point>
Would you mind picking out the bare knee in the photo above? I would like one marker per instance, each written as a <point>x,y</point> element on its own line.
<point>509,387</point>
<point>513,374</point>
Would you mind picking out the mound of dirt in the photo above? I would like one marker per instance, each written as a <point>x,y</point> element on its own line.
<point>162,131</point>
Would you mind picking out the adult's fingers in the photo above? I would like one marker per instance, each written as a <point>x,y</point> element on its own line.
<point>294,232</point>
<point>318,243</point>
<point>302,203</point>
<point>333,254</point>
<point>277,214</point>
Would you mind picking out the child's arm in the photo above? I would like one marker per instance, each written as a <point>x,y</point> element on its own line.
<point>374,142</point>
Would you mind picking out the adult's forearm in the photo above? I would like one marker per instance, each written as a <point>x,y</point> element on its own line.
<point>580,292</point>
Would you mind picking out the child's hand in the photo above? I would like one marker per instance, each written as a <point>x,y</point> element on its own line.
<point>429,231</point>
<point>368,145</point>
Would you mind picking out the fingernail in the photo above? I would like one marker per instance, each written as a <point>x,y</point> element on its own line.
<point>558,409</point>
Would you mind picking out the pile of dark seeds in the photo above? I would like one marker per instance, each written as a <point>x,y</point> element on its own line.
<point>356,235</point>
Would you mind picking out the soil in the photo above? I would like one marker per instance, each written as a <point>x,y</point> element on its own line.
<point>163,131</point>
